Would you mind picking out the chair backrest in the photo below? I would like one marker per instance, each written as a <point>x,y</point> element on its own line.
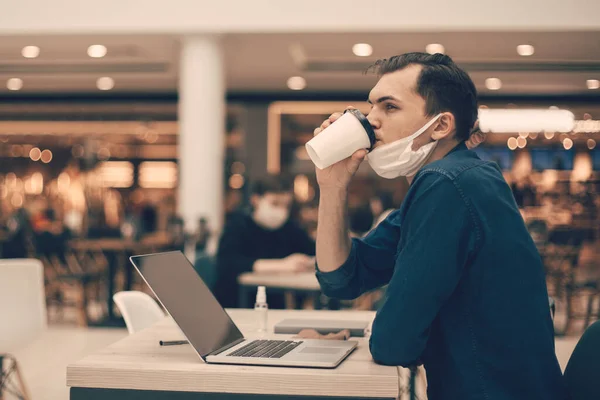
<point>138,309</point>
<point>581,374</point>
<point>22,302</point>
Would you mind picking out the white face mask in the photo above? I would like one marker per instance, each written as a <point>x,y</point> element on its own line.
<point>398,159</point>
<point>269,216</point>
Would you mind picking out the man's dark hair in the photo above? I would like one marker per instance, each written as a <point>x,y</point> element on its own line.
<point>443,85</point>
<point>271,184</point>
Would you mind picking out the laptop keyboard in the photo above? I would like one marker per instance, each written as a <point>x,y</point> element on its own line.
<point>266,349</point>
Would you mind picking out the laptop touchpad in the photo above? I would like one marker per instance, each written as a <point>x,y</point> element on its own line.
<point>320,350</point>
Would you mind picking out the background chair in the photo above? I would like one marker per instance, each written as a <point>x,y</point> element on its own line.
<point>22,314</point>
<point>581,374</point>
<point>138,309</point>
<point>22,302</point>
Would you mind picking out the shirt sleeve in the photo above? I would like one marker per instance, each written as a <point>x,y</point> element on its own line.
<point>370,263</point>
<point>441,236</point>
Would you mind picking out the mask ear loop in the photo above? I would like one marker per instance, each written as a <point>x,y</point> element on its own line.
<point>426,126</point>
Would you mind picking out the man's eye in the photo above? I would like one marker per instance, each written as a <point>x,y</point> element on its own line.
<point>390,107</point>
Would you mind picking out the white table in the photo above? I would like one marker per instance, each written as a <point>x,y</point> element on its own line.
<point>137,367</point>
<point>305,282</point>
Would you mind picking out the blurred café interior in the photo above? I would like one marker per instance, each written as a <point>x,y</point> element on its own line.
<point>120,144</point>
<point>89,160</point>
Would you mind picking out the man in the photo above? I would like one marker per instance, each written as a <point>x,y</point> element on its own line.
<point>265,240</point>
<point>466,291</point>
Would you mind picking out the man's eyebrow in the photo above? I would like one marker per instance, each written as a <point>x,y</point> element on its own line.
<point>382,99</point>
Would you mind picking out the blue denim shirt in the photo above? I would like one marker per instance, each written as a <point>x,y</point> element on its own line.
<point>467,294</point>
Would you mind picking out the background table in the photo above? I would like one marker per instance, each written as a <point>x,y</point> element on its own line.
<point>305,282</point>
<point>117,252</point>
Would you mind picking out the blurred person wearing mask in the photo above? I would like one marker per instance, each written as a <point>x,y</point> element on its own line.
<point>264,240</point>
<point>466,293</point>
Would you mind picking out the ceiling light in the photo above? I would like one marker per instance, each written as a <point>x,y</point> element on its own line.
<point>512,143</point>
<point>521,142</point>
<point>591,144</point>
<point>362,49</point>
<point>434,48</point>
<point>14,84</point>
<point>296,83</point>
<point>236,181</point>
<point>525,50</point>
<point>549,135</point>
<point>524,120</point>
<point>97,51</point>
<point>30,52</point>
<point>46,156</point>
<point>593,84</point>
<point>35,154</point>
<point>567,144</point>
<point>105,83</point>
<point>493,83</point>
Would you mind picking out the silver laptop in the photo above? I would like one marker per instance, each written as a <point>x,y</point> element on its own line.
<point>210,330</point>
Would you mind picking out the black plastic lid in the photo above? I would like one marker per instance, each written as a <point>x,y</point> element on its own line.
<point>365,123</point>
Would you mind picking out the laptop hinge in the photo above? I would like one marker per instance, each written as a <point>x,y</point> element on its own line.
<point>226,347</point>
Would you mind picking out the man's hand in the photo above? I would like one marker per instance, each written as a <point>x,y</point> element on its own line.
<point>338,176</point>
<point>312,334</point>
<point>477,137</point>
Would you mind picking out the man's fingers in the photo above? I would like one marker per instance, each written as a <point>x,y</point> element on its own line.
<point>359,155</point>
<point>343,335</point>
<point>334,116</point>
<point>476,139</point>
<point>308,334</point>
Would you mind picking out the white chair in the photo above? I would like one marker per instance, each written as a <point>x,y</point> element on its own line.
<point>138,310</point>
<point>22,302</point>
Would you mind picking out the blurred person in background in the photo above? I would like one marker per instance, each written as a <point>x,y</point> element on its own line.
<point>524,192</point>
<point>19,240</point>
<point>50,234</point>
<point>148,219</point>
<point>466,291</point>
<point>263,240</point>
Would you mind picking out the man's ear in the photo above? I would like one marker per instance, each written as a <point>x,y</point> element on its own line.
<point>444,127</point>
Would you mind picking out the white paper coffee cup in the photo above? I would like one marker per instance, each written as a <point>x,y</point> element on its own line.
<point>351,132</point>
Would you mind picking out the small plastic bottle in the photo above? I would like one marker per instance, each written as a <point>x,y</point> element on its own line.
<point>261,308</point>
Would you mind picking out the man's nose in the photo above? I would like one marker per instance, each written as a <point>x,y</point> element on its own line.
<point>373,120</point>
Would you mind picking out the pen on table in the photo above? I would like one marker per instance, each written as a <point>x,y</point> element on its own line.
<point>172,342</point>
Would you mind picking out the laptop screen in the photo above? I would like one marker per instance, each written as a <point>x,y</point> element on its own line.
<point>189,301</point>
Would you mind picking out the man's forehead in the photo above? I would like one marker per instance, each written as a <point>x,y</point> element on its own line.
<point>399,84</point>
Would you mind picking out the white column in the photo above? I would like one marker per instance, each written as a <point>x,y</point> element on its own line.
<point>201,132</point>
